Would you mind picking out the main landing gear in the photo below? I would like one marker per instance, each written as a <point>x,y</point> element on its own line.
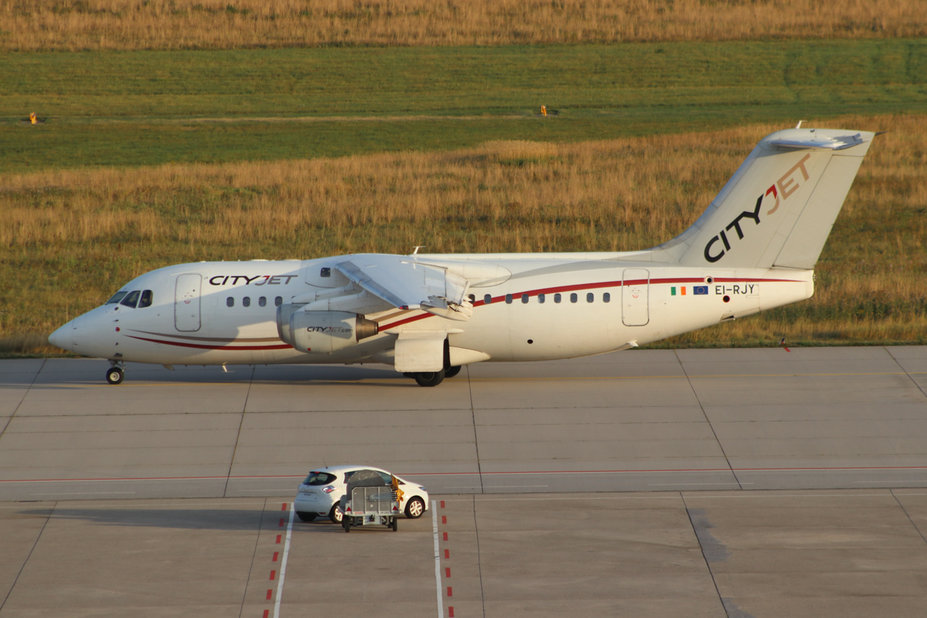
<point>115,373</point>
<point>433,378</point>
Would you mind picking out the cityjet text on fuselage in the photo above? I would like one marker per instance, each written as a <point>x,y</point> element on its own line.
<point>221,280</point>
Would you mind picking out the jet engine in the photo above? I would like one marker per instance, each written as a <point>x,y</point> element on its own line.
<point>322,332</point>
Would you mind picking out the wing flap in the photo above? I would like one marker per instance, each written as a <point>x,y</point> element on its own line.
<point>407,284</point>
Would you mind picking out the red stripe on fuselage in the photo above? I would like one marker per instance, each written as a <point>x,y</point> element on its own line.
<point>201,346</point>
<point>595,286</point>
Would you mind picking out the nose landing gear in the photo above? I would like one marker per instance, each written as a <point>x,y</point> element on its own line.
<point>115,373</point>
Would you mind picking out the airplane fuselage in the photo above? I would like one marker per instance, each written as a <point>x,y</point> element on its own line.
<point>547,307</point>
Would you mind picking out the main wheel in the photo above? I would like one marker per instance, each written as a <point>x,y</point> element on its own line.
<point>335,514</point>
<point>114,375</point>
<point>304,516</point>
<point>429,378</point>
<point>450,372</point>
<point>415,508</point>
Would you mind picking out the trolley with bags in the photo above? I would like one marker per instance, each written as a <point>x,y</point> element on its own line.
<point>369,501</point>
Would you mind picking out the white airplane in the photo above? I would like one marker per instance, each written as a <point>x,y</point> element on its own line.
<point>428,315</point>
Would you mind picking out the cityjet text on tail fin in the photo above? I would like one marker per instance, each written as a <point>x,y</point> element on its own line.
<point>427,315</point>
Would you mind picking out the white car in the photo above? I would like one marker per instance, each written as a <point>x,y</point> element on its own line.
<point>321,491</point>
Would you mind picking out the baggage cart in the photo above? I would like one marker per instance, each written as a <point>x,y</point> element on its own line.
<point>369,503</point>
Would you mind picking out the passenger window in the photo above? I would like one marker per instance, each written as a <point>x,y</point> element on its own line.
<point>573,297</point>
<point>590,297</point>
<point>606,298</point>
<point>557,297</point>
<point>325,272</point>
<point>487,299</point>
<point>246,301</point>
<point>541,298</point>
<point>145,300</point>
<point>278,301</point>
<point>262,301</point>
<point>472,298</point>
<point>131,299</point>
<point>116,297</point>
<point>524,299</point>
<point>229,302</point>
<point>508,299</point>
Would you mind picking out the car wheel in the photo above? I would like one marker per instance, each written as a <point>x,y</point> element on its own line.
<point>415,508</point>
<point>335,514</point>
<point>304,516</point>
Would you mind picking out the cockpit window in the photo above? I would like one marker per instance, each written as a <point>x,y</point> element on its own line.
<point>116,297</point>
<point>131,299</point>
<point>145,299</point>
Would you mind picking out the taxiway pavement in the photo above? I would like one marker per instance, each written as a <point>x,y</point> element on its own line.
<point>625,484</point>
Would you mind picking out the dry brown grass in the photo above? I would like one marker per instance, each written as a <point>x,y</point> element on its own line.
<point>71,237</point>
<point>224,24</point>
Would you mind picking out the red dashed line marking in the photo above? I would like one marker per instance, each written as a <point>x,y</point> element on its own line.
<point>449,590</point>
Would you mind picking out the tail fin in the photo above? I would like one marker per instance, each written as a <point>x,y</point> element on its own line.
<point>778,208</point>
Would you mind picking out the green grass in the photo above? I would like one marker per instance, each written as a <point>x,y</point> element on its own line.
<point>151,107</point>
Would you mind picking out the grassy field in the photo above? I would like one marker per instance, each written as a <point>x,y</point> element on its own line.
<point>225,149</point>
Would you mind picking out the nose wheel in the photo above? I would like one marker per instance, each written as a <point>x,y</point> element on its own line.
<point>115,374</point>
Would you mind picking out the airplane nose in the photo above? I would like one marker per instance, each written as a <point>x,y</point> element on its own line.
<point>89,334</point>
<point>63,338</point>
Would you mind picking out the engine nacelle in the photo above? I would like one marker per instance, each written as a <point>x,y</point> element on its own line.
<point>322,332</point>
<point>284,313</point>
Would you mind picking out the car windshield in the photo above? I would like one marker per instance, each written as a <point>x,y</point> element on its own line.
<point>319,478</point>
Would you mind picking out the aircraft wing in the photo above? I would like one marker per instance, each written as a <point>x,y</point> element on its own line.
<point>408,284</point>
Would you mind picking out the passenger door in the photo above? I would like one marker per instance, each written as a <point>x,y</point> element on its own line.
<point>635,297</point>
<point>187,302</point>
